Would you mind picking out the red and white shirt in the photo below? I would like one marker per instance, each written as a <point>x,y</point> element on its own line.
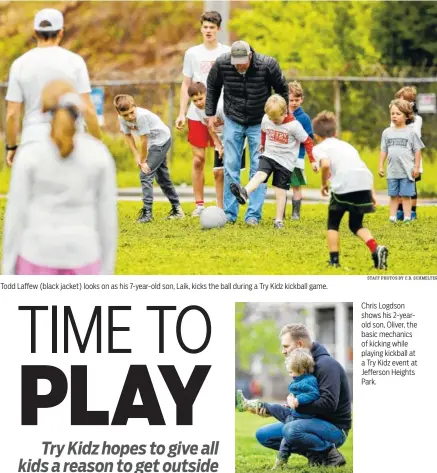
<point>281,142</point>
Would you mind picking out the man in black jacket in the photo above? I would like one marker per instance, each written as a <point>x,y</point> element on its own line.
<point>317,438</point>
<point>247,79</point>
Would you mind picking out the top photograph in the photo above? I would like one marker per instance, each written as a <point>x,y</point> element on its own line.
<point>218,138</point>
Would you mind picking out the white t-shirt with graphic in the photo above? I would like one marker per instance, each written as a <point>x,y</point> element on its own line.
<point>32,71</point>
<point>348,172</point>
<point>198,61</point>
<point>146,123</point>
<point>282,141</point>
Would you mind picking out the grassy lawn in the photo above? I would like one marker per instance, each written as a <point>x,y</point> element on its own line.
<point>251,457</point>
<point>182,247</point>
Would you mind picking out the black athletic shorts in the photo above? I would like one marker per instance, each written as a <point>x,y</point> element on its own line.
<point>218,161</point>
<point>356,202</point>
<point>281,176</point>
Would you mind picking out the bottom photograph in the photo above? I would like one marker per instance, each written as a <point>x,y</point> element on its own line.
<point>294,393</point>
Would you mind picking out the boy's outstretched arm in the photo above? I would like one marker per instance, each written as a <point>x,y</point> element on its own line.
<point>133,147</point>
<point>143,155</point>
<point>217,143</point>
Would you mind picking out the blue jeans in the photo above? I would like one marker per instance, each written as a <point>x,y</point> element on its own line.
<point>302,435</point>
<point>233,137</point>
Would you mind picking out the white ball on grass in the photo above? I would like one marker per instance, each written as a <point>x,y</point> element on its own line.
<point>213,217</point>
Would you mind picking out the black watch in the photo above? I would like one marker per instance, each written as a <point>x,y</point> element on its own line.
<point>11,148</point>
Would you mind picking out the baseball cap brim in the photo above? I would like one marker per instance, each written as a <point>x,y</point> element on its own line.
<point>240,60</point>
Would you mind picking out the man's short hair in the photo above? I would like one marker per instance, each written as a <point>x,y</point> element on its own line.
<point>212,17</point>
<point>196,88</point>
<point>325,124</point>
<point>123,102</point>
<point>296,331</point>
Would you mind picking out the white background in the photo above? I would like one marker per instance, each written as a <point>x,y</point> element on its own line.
<point>393,422</point>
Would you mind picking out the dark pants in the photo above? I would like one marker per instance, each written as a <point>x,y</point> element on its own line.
<point>157,161</point>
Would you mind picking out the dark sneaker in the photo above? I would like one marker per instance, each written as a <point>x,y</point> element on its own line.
<point>240,193</point>
<point>380,256</point>
<point>175,212</point>
<point>333,265</point>
<point>413,215</point>
<point>144,216</point>
<point>333,457</point>
<point>400,215</point>
<point>314,458</point>
<point>278,224</point>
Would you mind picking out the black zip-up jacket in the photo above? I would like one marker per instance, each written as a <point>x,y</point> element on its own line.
<point>244,95</point>
<point>334,404</point>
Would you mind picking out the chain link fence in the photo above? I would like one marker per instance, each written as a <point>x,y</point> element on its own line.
<point>360,103</point>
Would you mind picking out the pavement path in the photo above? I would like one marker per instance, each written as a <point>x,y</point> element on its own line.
<point>186,195</point>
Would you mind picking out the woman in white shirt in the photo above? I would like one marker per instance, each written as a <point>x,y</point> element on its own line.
<point>61,215</point>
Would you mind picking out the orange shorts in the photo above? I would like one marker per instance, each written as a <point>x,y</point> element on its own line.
<point>198,134</point>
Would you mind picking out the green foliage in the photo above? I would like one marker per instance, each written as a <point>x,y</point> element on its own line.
<point>181,247</point>
<point>406,33</point>
<point>255,338</point>
<point>251,457</point>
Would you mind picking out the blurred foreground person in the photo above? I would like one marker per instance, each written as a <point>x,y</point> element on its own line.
<point>61,214</point>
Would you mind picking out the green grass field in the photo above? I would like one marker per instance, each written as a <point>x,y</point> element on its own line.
<point>182,247</point>
<point>251,457</point>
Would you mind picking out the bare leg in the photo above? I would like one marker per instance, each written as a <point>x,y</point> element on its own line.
<point>219,179</point>
<point>406,204</point>
<point>281,199</point>
<point>256,181</point>
<point>198,175</point>
<point>333,241</point>
<point>393,206</point>
<point>364,234</point>
<point>297,192</point>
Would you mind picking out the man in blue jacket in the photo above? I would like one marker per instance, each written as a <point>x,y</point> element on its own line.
<point>317,438</point>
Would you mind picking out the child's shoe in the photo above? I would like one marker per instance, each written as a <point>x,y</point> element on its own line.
<point>175,212</point>
<point>280,463</point>
<point>413,215</point>
<point>380,256</point>
<point>394,219</point>
<point>400,215</point>
<point>240,193</point>
<point>333,265</point>
<point>197,211</point>
<point>278,224</point>
<point>144,216</point>
<point>244,404</point>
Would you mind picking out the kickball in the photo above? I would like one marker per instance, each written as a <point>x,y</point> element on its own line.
<point>212,217</point>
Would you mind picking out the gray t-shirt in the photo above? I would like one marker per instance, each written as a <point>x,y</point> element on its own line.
<point>400,144</point>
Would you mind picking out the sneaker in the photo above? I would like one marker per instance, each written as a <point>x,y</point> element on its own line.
<point>333,265</point>
<point>197,211</point>
<point>244,404</point>
<point>175,213</point>
<point>144,216</point>
<point>413,215</point>
<point>332,457</point>
<point>240,193</point>
<point>252,222</point>
<point>379,257</point>
<point>280,463</point>
<point>393,219</point>
<point>400,215</point>
<point>314,458</point>
<point>278,224</point>
<point>407,221</point>
<point>295,215</point>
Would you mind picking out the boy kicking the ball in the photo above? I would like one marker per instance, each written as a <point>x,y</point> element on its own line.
<point>281,136</point>
<point>152,156</point>
<point>351,188</point>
